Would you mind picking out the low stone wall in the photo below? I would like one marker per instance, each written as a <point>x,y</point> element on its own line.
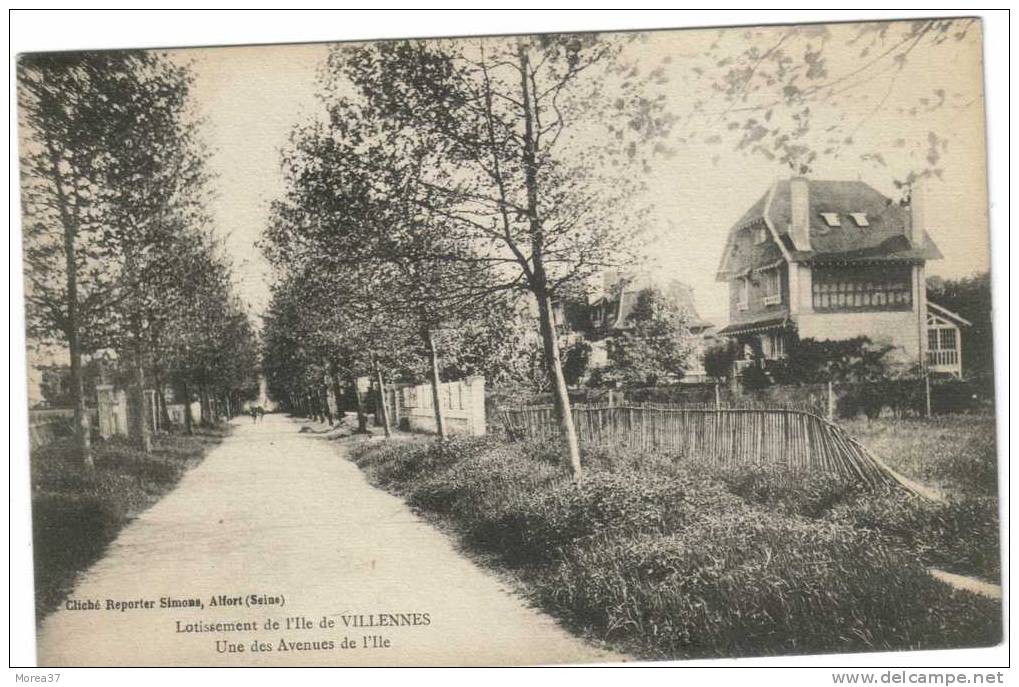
<point>45,426</point>
<point>463,406</point>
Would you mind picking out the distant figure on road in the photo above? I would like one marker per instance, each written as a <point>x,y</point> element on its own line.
<point>261,412</point>
<point>253,412</point>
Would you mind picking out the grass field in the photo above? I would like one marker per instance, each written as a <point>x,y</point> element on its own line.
<point>76,512</point>
<point>667,556</point>
<point>955,454</point>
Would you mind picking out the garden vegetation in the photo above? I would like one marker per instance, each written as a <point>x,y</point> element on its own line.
<point>663,556</point>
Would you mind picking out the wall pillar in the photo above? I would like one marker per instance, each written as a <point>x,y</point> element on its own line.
<point>476,425</point>
<point>105,401</point>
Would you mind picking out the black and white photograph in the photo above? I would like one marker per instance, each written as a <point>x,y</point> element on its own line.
<point>558,348</point>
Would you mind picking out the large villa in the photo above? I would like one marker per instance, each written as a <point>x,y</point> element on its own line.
<point>836,260</point>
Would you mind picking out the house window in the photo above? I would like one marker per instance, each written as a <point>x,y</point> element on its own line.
<point>933,342</point>
<point>773,345</point>
<point>862,288</point>
<point>760,235</point>
<point>772,286</point>
<point>743,293</point>
<point>947,339</point>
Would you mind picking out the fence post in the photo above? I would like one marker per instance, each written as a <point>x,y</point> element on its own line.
<point>718,397</point>
<point>927,392</point>
<point>831,401</point>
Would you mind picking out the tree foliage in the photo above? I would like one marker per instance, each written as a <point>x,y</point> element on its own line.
<point>811,361</point>
<point>116,238</point>
<point>655,346</point>
<point>781,93</point>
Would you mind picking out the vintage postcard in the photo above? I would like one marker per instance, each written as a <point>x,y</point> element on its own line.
<point>511,350</point>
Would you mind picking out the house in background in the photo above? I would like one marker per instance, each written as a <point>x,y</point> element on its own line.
<point>608,313</point>
<point>835,260</point>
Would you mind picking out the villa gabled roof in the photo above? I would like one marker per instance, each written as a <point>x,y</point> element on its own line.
<point>869,226</point>
<point>623,294</point>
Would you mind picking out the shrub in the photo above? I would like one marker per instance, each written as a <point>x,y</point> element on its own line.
<point>397,464</point>
<point>958,396</point>
<point>536,527</point>
<point>481,485</point>
<point>753,378</point>
<point>69,533</point>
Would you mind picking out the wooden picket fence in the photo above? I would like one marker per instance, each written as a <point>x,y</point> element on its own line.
<point>785,437</point>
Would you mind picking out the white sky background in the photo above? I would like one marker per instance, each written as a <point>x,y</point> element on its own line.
<point>252,97</point>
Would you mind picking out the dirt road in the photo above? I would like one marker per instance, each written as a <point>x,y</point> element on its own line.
<point>277,525</point>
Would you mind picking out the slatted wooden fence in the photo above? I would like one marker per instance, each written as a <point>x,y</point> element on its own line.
<point>784,437</point>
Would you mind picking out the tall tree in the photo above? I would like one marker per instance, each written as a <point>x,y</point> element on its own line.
<point>529,167</point>
<point>85,124</point>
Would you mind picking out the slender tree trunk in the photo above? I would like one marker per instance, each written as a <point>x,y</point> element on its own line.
<point>82,430</point>
<point>539,279</point>
<point>362,416</point>
<point>324,395</point>
<point>561,396</point>
<point>142,435</point>
<point>440,417</point>
<point>381,402</point>
<point>164,412</point>
<point>334,379</point>
<point>189,420</point>
<point>203,402</point>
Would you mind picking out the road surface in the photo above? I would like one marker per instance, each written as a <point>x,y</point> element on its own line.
<point>276,524</point>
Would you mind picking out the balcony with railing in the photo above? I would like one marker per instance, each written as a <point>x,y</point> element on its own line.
<point>944,345</point>
<point>944,361</point>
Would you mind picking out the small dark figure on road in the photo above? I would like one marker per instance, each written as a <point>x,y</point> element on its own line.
<point>253,412</point>
<point>261,412</point>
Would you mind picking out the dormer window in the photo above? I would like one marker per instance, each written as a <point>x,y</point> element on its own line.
<point>831,219</point>
<point>860,218</point>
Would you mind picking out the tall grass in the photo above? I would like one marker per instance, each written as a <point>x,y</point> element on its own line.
<point>665,557</point>
<point>76,512</point>
<point>954,453</point>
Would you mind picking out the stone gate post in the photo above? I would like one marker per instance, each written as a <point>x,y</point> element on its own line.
<point>476,425</point>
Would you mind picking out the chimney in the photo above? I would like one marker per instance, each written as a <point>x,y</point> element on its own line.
<point>917,223</point>
<point>799,212</point>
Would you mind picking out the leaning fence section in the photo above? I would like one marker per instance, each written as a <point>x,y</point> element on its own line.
<point>784,437</point>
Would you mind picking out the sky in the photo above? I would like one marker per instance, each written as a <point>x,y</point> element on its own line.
<point>252,97</point>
